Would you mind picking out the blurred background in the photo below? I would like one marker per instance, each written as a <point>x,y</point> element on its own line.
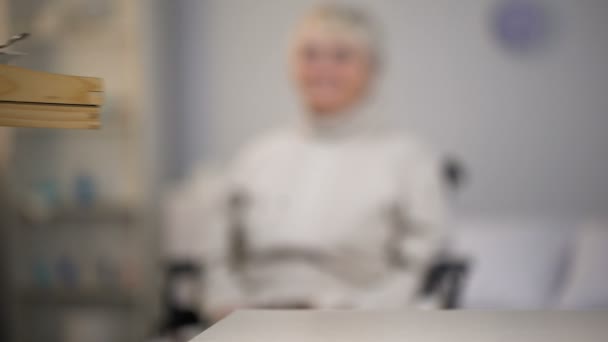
<point>98,239</point>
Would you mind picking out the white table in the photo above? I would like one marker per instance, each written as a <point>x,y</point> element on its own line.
<point>409,326</point>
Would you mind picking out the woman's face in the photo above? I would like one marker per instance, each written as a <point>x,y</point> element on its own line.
<point>332,73</point>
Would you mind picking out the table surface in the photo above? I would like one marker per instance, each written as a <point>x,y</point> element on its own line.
<point>418,326</point>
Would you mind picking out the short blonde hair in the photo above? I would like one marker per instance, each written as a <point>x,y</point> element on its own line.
<point>347,20</point>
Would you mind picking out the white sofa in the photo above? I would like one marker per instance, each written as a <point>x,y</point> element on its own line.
<point>533,263</point>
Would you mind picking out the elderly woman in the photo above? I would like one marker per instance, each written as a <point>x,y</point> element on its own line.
<point>333,212</point>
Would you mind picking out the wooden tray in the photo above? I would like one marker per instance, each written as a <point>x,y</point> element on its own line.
<point>44,100</point>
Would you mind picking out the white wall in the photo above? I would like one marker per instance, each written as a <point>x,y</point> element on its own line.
<point>531,128</point>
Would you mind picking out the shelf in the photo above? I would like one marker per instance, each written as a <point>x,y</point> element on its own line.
<point>77,298</point>
<point>100,214</point>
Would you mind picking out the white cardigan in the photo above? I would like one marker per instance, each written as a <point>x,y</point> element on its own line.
<point>345,219</point>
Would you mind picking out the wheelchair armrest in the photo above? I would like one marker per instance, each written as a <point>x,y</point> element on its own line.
<point>445,279</point>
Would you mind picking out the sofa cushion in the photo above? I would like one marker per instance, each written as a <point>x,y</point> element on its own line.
<point>587,283</point>
<point>515,264</point>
